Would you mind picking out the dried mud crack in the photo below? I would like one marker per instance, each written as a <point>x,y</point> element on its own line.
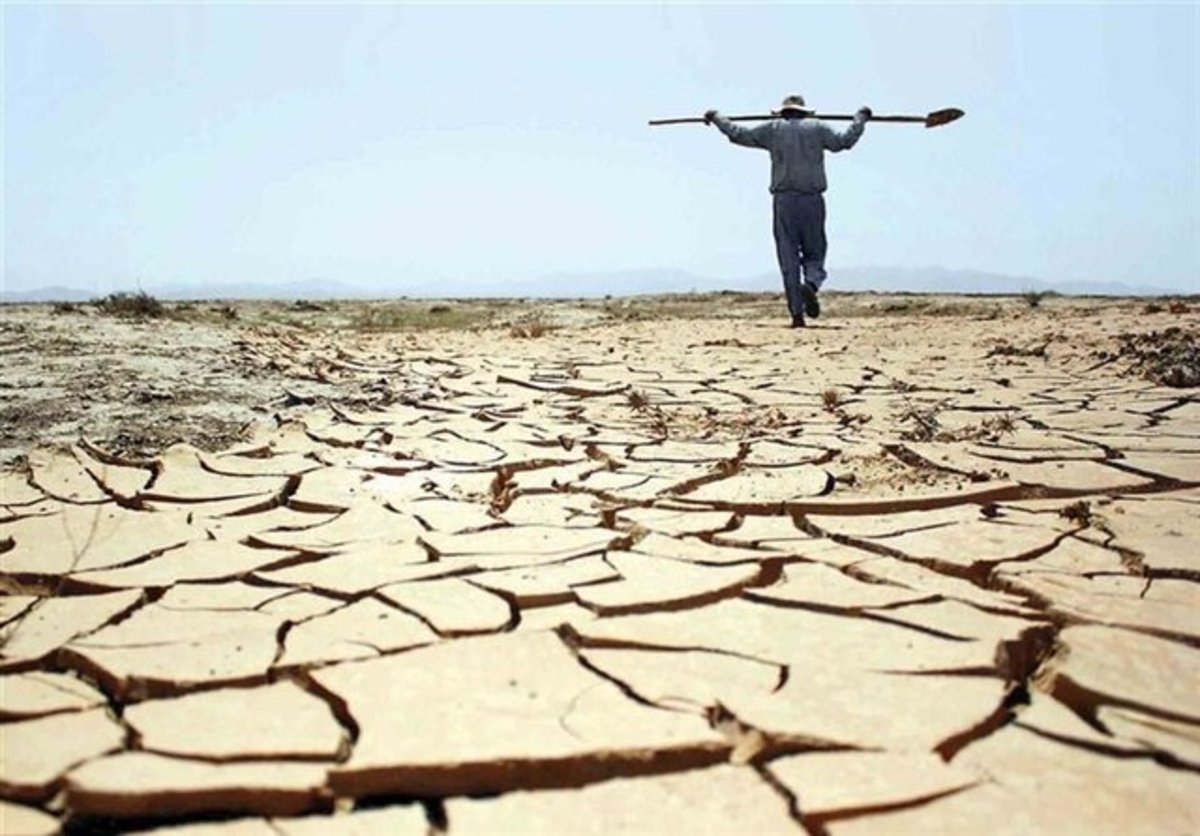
<point>690,576</point>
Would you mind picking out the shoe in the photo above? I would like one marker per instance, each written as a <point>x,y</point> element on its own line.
<point>797,322</point>
<point>812,305</point>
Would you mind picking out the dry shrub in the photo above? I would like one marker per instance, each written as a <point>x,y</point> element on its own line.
<point>140,305</point>
<point>1034,298</point>
<point>1078,512</point>
<point>1170,357</point>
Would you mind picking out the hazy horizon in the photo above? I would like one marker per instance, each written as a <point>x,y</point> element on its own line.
<point>388,146</point>
<point>629,283</point>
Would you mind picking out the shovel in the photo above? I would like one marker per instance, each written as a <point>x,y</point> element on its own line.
<point>932,120</point>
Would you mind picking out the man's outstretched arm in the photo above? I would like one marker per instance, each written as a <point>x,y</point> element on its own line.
<point>756,137</point>
<point>831,140</point>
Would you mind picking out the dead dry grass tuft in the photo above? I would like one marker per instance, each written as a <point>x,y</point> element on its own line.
<point>531,329</point>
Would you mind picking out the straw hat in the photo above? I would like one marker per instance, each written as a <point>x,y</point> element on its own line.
<point>795,103</point>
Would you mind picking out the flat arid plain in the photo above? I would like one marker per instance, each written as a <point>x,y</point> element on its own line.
<point>656,565</point>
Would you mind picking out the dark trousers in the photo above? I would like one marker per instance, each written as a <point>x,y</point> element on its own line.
<point>800,243</point>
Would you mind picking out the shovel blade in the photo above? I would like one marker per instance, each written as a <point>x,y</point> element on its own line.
<point>942,117</point>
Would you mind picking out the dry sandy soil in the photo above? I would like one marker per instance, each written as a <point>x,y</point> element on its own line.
<point>658,565</point>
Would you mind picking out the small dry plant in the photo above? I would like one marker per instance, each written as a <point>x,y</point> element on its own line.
<point>530,330</point>
<point>1078,512</point>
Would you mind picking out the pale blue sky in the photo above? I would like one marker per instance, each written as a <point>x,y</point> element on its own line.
<point>389,146</point>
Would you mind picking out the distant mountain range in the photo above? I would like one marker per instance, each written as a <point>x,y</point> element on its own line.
<point>622,283</point>
<point>858,279</point>
<point>312,289</point>
<point>942,280</point>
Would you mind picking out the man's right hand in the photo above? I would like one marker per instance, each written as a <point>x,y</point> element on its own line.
<point>709,116</point>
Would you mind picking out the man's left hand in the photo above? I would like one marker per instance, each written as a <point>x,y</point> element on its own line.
<point>864,113</point>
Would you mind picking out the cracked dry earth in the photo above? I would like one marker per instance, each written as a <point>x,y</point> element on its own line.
<point>706,576</point>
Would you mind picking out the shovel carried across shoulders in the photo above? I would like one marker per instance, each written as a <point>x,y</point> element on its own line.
<point>931,120</point>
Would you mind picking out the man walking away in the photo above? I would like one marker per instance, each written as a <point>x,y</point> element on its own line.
<point>797,145</point>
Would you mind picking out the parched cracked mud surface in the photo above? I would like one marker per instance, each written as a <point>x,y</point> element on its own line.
<point>701,576</point>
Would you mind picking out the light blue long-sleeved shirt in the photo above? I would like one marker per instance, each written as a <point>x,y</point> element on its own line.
<point>797,149</point>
